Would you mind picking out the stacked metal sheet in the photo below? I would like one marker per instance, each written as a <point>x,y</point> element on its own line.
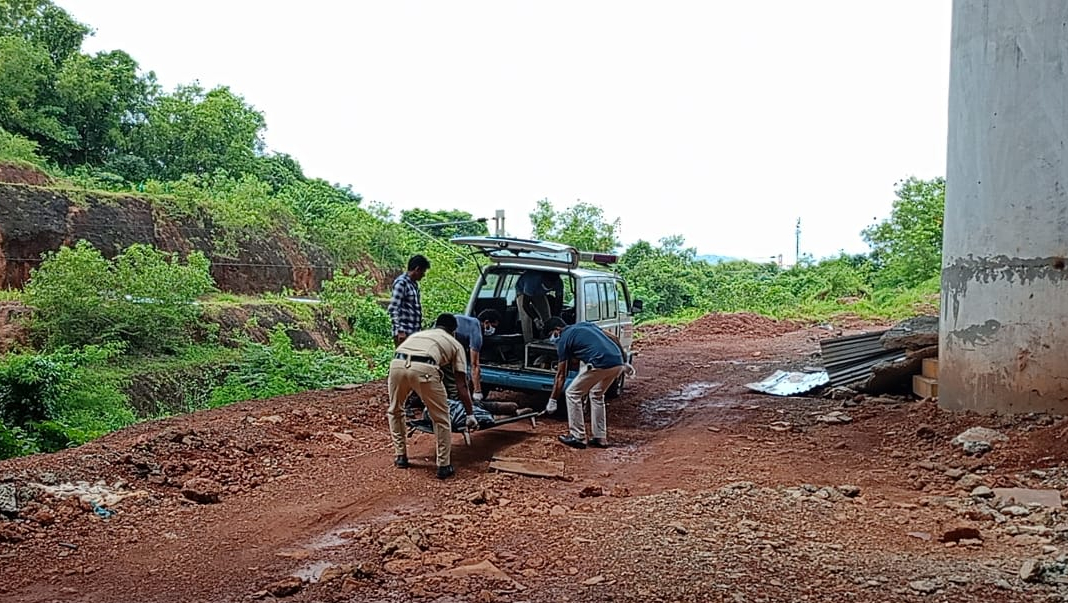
<point>849,359</point>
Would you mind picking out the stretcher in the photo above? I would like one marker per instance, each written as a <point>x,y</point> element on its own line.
<point>426,426</point>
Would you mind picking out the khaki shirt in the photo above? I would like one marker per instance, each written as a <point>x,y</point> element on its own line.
<point>439,345</point>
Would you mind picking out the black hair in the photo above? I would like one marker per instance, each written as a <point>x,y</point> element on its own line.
<point>446,321</point>
<point>555,323</point>
<point>489,315</point>
<point>418,261</point>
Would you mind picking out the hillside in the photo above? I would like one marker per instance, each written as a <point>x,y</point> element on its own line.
<point>37,216</point>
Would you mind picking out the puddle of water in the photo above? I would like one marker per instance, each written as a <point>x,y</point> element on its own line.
<point>328,540</point>
<point>662,412</point>
<point>333,538</point>
<point>313,571</point>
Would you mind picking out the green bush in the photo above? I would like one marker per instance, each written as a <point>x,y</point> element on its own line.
<point>351,297</point>
<point>19,149</point>
<point>14,441</point>
<point>144,297</point>
<point>277,369</point>
<point>52,401</point>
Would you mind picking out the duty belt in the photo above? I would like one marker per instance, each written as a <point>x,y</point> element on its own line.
<point>410,358</point>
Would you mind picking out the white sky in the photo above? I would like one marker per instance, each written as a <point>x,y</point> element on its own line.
<point>721,121</point>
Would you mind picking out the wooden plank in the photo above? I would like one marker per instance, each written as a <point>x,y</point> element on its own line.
<point>930,368</point>
<point>531,467</point>
<point>924,387</point>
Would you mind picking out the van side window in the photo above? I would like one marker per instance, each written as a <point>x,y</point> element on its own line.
<point>610,305</point>
<point>592,301</point>
<point>621,298</point>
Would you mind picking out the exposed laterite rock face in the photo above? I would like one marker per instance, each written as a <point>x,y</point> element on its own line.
<point>13,331</point>
<point>17,174</point>
<point>34,221</point>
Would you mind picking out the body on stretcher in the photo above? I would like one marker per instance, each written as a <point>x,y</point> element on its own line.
<point>458,417</point>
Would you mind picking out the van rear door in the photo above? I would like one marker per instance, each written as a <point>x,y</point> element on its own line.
<point>507,250</point>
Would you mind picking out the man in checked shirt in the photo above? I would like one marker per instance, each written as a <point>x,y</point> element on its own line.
<point>406,312</point>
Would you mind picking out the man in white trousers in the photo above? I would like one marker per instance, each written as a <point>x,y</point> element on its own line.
<point>603,361</point>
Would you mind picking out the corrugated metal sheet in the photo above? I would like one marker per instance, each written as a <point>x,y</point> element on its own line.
<point>783,383</point>
<point>849,359</point>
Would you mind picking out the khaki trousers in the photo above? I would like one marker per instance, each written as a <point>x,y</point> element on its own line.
<point>425,380</point>
<point>593,382</point>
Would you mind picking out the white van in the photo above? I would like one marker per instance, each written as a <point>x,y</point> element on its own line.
<point>595,295</point>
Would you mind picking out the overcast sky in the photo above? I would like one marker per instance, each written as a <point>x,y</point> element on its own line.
<point>721,121</point>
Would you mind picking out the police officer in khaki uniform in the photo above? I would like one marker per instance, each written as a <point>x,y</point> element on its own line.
<point>417,366</point>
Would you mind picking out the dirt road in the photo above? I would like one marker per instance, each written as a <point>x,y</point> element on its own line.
<point>709,493</point>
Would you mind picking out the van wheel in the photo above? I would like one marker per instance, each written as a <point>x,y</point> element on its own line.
<point>616,389</point>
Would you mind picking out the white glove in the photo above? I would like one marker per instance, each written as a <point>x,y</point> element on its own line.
<point>472,423</point>
<point>550,406</point>
<point>629,371</point>
<point>477,396</point>
<point>539,324</point>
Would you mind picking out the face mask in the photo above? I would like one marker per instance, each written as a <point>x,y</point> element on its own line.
<point>489,330</point>
<point>553,338</point>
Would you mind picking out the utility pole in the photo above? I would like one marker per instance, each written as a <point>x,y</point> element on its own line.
<point>797,243</point>
<point>498,223</point>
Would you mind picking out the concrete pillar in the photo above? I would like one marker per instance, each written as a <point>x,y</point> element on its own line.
<point>1004,322</point>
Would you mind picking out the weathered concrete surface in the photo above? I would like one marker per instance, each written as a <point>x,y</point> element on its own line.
<point>1004,283</point>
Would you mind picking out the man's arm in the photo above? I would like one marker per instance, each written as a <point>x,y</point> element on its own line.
<point>458,362</point>
<point>558,380</point>
<point>476,372</point>
<point>396,302</point>
<point>619,344</point>
<point>465,396</point>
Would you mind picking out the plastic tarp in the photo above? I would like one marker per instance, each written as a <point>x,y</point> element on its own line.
<point>784,383</point>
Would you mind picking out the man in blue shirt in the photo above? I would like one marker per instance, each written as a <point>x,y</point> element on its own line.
<point>469,332</point>
<point>603,358</point>
<point>532,291</point>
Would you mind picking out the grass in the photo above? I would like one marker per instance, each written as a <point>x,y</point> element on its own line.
<point>886,304</point>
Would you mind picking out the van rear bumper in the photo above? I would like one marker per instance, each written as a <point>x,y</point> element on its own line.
<point>520,380</point>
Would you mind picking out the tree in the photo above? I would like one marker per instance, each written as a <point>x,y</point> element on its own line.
<point>28,104</point>
<point>44,25</point>
<point>103,98</point>
<point>445,224</point>
<point>665,278</point>
<point>582,226</point>
<point>907,247</point>
<point>316,201</point>
<point>279,170</point>
<point>196,132</point>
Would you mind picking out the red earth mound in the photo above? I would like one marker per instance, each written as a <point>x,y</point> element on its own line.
<point>744,325</point>
<point>16,174</point>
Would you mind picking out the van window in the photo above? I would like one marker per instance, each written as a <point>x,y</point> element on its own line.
<point>489,285</point>
<point>592,302</point>
<point>508,286</point>
<point>621,298</point>
<point>610,305</point>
